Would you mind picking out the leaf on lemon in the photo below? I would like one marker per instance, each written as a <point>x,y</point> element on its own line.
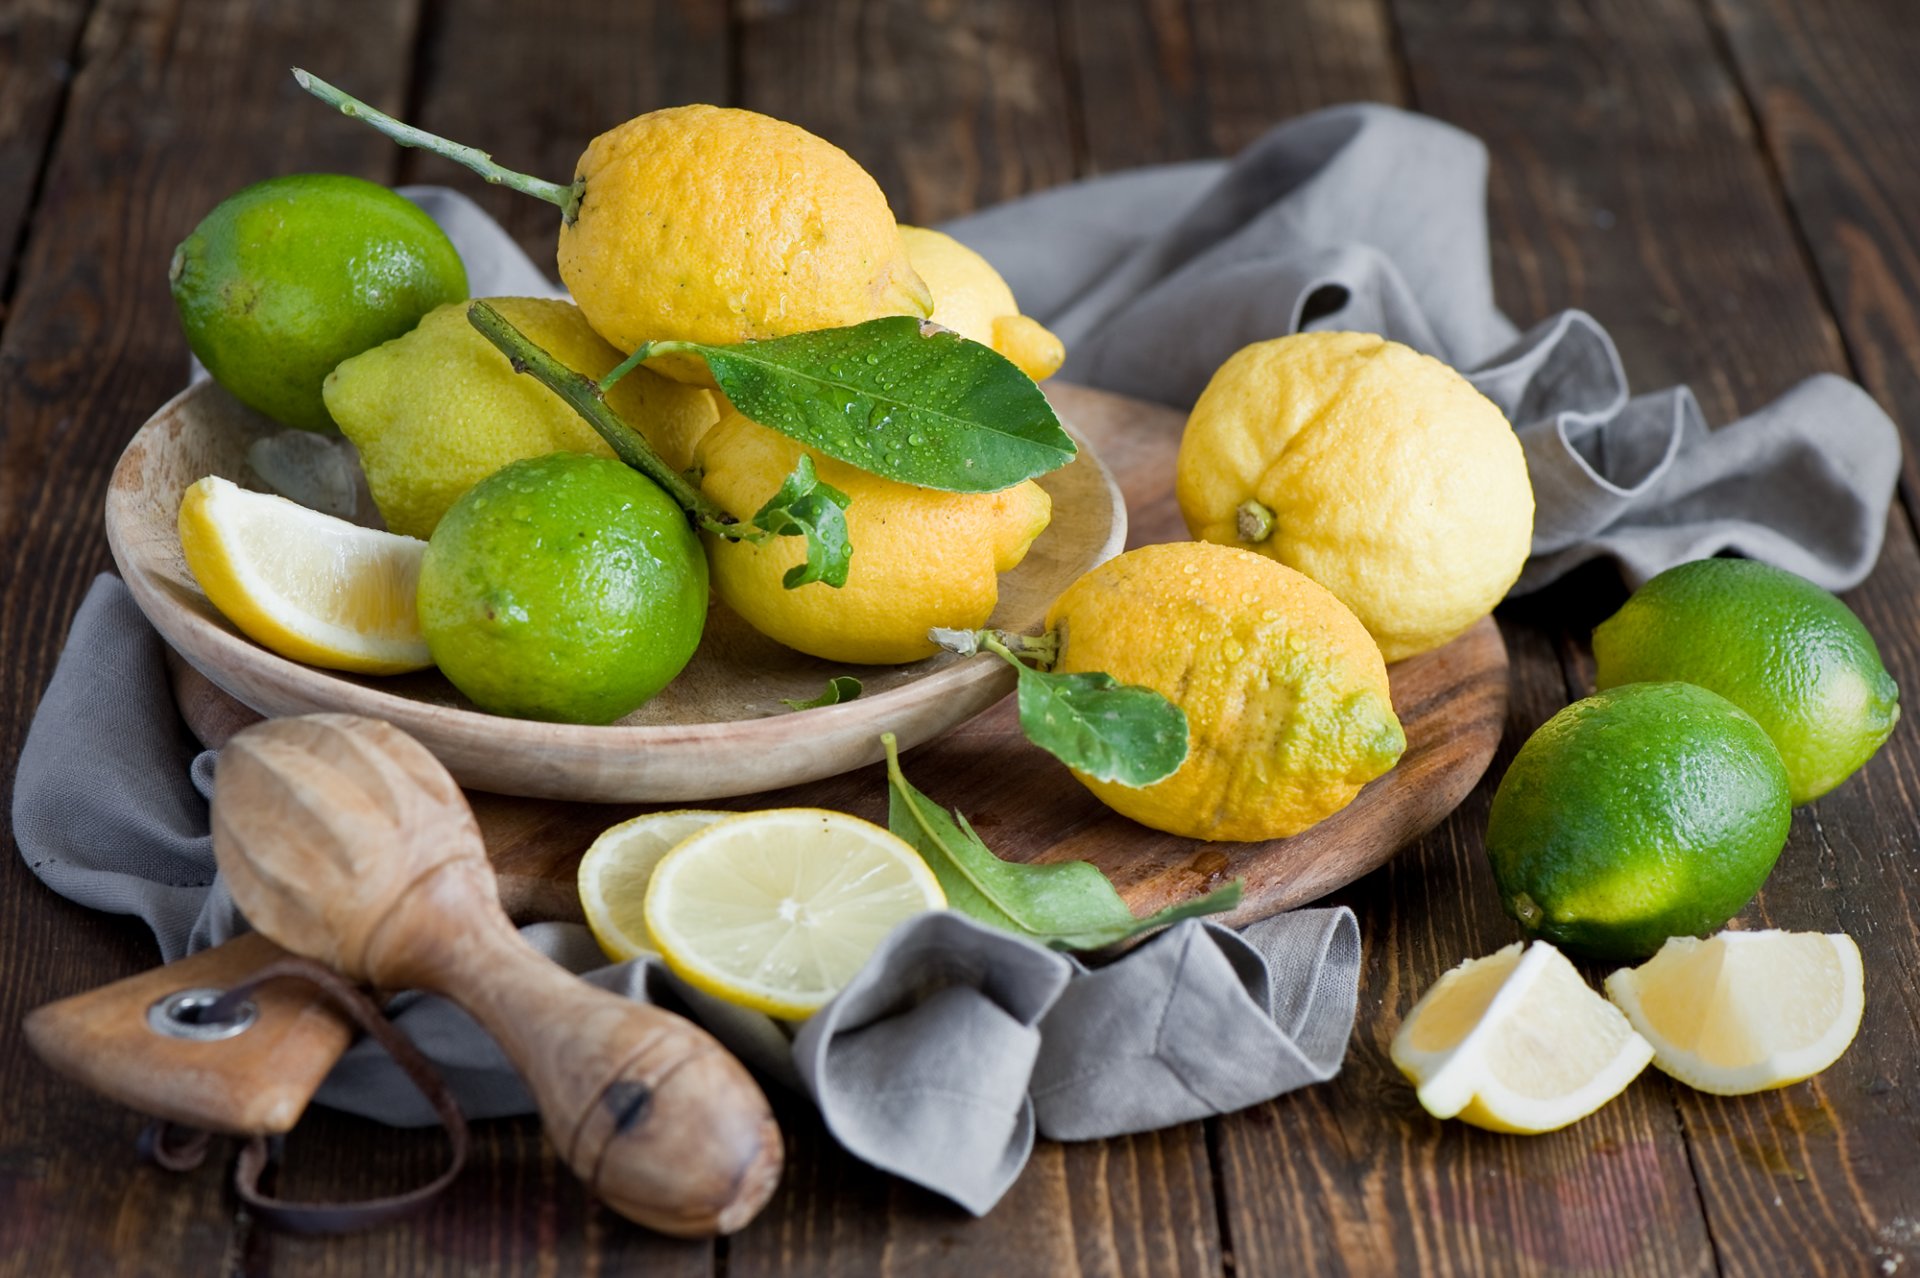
<point>839,688</point>
<point>806,506</point>
<point>897,398</point>
<point>1069,905</point>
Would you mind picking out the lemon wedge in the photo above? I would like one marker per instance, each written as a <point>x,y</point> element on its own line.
<point>778,910</point>
<point>615,871</point>
<point>1745,1011</point>
<point>1517,1042</point>
<point>310,587</point>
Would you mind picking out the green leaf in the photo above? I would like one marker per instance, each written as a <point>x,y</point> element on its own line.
<point>897,398</point>
<point>1095,724</point>
<point>839,688</point>
<point>1068,905</point>
<point>807,507</point>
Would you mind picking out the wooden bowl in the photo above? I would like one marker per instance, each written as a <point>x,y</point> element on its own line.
<point>718,730</point>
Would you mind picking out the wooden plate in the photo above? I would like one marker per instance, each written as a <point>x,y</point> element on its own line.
<point>1452,703</point>
<point>718,730</point>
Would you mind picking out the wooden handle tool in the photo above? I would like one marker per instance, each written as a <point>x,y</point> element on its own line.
<point>344,840</point>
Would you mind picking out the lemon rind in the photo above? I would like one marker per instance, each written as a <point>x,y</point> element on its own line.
<point>614,941</point>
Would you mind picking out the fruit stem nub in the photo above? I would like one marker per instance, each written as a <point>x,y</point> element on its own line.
<point>584,396</point>
<point>1040,650</point>
<point>1253,522</point>
<point>566,196</point>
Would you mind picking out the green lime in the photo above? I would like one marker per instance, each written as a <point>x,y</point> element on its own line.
<point>568,588</point>
<point>1776,645</point>
<point>1647,811</point>
<point>289,276</point>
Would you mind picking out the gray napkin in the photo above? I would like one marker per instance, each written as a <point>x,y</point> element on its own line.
<point>1374,219</point>
<point>950,1049</point>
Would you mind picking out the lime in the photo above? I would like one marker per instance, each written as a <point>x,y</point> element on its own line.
<point>1648,811</point>
<point>289,276</point>
<point>1776,645</point>
<point>564,587</point>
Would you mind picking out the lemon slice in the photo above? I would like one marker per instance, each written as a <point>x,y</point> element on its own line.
<point>309,586</point>
<point>1517,1042</point>
<point>1745,1011</point>
<point>615,871</point>
<point>777,910</point>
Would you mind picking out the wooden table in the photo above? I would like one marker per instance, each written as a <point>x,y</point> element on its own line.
<point>1732,186</point>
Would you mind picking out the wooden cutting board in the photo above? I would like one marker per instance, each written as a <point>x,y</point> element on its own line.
<point>1452,703</point>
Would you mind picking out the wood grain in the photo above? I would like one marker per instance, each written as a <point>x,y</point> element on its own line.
<point>38,40</point>
<point>150,140</point>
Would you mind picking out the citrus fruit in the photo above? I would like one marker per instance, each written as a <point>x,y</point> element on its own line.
<point>1375,470</point>
<point>565,587</point>
<point>1517,1042</point>
<point>1286,698</point>
<point>971,298</point>
<point>778,910</point>
<point>1647,811</point>
<point>717,225</point>
<point>921,558</point>
<point>1776,645</point>
<point>287,277</point>
<point>436,411</point>
<point>1745,1011</point>
<point>310,587</point>
<point>615,871</point>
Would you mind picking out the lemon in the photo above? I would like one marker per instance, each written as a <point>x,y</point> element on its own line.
<point>1647,811</point>
<point>310,587</point>
<point>1286,698</point>
<point>1776,645</point>
<point>716,225</point>
<point>1375,470</point>
<point>971,298</point>
<point>777,910</point>
<point>436,411</point>
<point>1745,1011</point>
<point>1517,1042</point>
<point>614,874</point>
<point>921,558</point>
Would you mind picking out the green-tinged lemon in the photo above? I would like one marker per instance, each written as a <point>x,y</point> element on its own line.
<point>1776,645</point>
<point>1648,811</point>
<point>289,276</point>
<point>565,587</point>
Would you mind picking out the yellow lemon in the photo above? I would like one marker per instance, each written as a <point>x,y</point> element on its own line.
<point>1746,1011</point>
<point>436,411</point>
<point>1375,470</point>
<point>1288,711</point>
<point>1517,1042</point>
<point>717,225</point>
<point>970,298</point>
<point>310,587</point>
<point>921,558</point>
<point>615,871</point>
<point>778,910</point>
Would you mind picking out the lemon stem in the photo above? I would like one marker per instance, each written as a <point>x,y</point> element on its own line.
<point>1039,651</point>
<point>585,397</point>
<point>1253,522</point>
<point>567,196</point>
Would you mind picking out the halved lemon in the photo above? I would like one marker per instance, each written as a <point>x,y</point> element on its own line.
<point>616,869</point>
<point>1517,1042</point>
<point>1745,1011</point>
<point>310,587</point>
<point>778,910</point>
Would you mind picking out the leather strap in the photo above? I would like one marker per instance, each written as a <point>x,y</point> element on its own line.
<point>178,1149</point>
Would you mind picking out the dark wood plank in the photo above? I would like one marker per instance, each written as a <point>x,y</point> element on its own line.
<point>152,139</point>
<point>1699,274</point>
<point>533,84</point>
<point>949,106</point>
<point>1179,79</point>
<point>38,40</point>
<point>1831,83</point>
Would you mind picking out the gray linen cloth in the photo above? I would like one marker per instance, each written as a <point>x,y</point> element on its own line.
<point>956,1043</point>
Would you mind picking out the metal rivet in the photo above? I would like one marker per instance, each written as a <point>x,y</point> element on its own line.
<point>177,1016</point>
